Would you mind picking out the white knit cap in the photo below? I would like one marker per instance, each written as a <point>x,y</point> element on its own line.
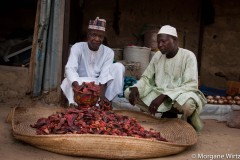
<point>167,29</point>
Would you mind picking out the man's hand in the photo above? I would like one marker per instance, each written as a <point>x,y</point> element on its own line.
<point>105,104</point>
<point>134,94</point>
<point>156,103</point>
<point>75,86</point>
<point>103,88</point>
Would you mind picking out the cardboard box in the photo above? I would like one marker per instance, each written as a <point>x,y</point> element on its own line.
<point>233,88</point>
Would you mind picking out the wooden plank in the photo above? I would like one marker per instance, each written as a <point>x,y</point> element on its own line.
<point>65,49</point>
<point>33,52</point>
<point>6,58</point>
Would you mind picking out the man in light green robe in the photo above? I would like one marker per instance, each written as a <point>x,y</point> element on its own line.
<point>170,82</point>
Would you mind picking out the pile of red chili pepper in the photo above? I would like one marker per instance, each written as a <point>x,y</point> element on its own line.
<point>93,120</point>
<point>89,88</point>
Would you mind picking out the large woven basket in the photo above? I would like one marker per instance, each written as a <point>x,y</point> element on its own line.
<point>179,134</point>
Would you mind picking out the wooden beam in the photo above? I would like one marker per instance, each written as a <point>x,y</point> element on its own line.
<point>65,49</point>
<point>33,52</point>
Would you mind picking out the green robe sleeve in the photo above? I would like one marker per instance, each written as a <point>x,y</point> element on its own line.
<point>146,82</point>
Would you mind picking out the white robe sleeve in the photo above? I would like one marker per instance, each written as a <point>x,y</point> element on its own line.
<point>71,68</point>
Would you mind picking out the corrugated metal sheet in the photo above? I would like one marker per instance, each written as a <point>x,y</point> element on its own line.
<point>47,71</point>
<point>54,44</point>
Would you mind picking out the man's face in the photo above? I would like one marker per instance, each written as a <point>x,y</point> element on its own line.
<point>95,39</point>
<point>166,43</point>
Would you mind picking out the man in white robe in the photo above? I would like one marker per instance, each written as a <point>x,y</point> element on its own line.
<point>170,83</point>
<point>93,61</point>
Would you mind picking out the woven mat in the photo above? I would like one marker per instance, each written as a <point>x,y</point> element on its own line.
<point>179,134</point>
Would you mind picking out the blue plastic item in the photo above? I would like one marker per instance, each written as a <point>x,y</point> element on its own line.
<point>212,91</point>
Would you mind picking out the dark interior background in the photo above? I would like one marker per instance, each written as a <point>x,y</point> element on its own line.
<point>209,28</point>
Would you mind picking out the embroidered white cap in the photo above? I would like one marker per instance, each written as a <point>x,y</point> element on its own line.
<point>97,24</point>
<point>167,29</point>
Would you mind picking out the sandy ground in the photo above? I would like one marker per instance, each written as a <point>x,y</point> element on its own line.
<point>215,140</point>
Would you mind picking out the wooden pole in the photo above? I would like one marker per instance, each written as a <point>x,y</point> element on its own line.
<point>65,49</point>
<point>33,52</point>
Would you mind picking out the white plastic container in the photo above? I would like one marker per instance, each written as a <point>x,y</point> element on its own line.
<point>137,54</point>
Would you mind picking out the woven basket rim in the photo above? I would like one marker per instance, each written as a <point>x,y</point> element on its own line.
<point>100,136</point>
<point>22,131</point>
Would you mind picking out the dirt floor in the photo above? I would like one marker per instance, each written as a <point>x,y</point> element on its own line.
<point>216,141</point>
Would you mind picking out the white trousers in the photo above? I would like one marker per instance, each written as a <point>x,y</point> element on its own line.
<point>186,109</point>
<point>114,86</point>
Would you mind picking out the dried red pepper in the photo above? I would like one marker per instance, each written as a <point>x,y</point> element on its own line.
<point>93,120</point>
